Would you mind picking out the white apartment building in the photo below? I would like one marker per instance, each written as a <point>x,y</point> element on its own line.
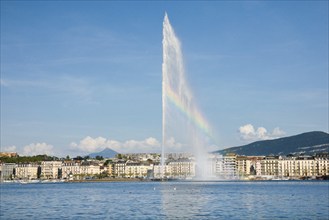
<point>276,166</point>
<point>129,169</point>
<point>224,167</point>
<point>300,166</point>
<point>70,169</point>
<point>50,169</point>
<point>118,169</point>
<point>247,165</point>
<point>270,166</point>
<point>137,170</point>
<point>322,165</point>
<point>89,169</point>
<point>26,171</point>
<point>162,171</point>
<point>304,166</point>
<point>181,168</point>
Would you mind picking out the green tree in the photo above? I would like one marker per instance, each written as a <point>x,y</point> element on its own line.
<point>39,172</point>
<point>60,173</point>
<point>28,159</point>
<point>107,162</point>
<point>99,158</point>
<point>78,158</point>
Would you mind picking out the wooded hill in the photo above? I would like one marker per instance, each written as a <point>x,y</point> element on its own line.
<point>308,143</point>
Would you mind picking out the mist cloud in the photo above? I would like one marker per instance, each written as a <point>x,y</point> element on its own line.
<point>9,149</point>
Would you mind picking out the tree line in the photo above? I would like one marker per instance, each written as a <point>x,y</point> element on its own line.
<point>44,157</point>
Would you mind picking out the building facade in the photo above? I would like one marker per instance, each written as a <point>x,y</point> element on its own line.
<point>7,171</point>
<point>26,171</point>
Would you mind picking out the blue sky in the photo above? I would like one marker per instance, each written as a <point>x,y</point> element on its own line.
<point>77,77</point>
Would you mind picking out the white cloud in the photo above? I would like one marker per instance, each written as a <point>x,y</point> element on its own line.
<point>172,145</point>
<point>277,132</point>
<point>249,133</point>
<point>247,130</point>
<point>261,133</point>
<point>89,144</point>
<point>152,141</point>
<point>9,149</point>
<point>38,149</point>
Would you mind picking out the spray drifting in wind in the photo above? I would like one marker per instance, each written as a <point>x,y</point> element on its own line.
<point>181,118</point>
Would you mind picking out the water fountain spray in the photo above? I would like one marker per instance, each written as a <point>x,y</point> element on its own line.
<point>181,119</point>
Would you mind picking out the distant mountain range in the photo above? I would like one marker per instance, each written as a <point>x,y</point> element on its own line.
<point>106,153</point>
<point>307,143</point>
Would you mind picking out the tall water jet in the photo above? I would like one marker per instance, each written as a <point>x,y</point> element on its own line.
<point>183,125</point>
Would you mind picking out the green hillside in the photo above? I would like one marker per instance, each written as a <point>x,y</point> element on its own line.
<point>307,143</point>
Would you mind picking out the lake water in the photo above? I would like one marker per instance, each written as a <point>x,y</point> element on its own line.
<point>166,200</point>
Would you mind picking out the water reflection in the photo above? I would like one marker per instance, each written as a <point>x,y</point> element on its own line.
<point>168,200</point>
<point>183,201</point>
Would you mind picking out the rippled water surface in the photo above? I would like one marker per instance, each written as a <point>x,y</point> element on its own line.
<point>166,200</point>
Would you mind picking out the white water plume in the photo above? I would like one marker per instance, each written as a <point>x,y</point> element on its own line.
<point>181,118</point>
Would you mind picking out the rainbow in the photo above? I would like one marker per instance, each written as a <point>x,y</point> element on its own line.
<point>193,114</point>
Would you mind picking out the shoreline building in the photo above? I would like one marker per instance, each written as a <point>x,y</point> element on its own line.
<point>182,168</point>
<point>229,166</point>
<point>27,171</point>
